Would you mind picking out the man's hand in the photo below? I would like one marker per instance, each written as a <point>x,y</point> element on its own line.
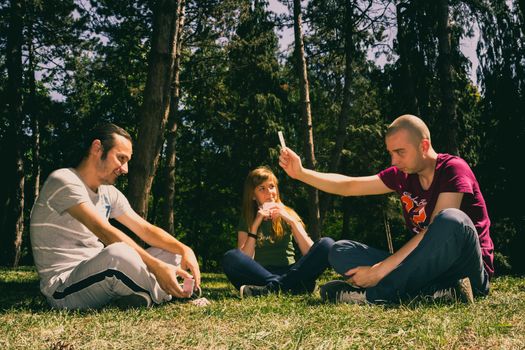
<point>291,163</point>
<point>166,275</point>
<point>189,262</point>
<point>364,276</point>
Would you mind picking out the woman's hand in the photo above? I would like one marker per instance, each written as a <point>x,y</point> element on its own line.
<point>278,211</point>
<point>264,213</point>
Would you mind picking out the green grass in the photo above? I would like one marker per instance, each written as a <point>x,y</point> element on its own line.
<point>273,322</point>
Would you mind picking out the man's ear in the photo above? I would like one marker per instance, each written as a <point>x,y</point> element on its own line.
<point>425,145</point>
<point>96,147</point>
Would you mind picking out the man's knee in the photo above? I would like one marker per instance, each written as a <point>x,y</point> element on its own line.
<point>339,249</point>
<point>119,254</point>
<point>452,215</point>
<point>454,221</point>
<point>339,254</point>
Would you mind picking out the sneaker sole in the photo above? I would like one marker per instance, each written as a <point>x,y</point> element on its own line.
<point>241,291</point>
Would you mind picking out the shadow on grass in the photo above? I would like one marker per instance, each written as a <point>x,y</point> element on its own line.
<point>21,295</point>
<point>23,292</point>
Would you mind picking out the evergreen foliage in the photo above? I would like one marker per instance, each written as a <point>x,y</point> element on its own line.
<point>90,61</point>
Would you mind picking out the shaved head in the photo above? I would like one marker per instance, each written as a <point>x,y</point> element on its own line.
<point>417,128</point>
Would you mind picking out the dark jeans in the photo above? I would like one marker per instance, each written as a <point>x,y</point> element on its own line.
<point>449,251</point>
<point>297,278</point>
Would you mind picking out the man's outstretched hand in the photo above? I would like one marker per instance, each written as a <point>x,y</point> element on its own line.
<point>290,162</point>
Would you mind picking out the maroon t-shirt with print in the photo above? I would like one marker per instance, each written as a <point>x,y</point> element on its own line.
<point>452,174</point>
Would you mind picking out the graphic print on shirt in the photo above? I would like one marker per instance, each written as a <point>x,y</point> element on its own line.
<point>261,238</point>
<point>107,206</point>
<point>415,210</point>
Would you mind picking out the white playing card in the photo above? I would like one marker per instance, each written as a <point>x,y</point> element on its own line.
<point>281,138</point>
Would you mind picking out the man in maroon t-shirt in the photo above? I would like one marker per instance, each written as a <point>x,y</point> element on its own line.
<point>443,207</point>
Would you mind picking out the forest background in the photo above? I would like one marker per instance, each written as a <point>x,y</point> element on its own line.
<point>203,87</point>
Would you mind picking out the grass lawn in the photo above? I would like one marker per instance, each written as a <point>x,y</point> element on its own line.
<point>273,322</point>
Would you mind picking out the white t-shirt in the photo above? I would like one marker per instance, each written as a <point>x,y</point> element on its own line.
<point>59,241</point>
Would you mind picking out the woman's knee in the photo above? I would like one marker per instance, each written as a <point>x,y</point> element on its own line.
<point>230,258</point>
<point>325,244</point>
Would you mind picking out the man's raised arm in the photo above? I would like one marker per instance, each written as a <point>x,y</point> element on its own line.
<point>331,183</point>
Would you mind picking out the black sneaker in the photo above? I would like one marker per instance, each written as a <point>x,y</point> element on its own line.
<point>342,292</point>
<point>253,291</point>
<point>460,292</point>
<point>135,300</point>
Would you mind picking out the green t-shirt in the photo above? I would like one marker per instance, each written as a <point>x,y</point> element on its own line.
<point>267,253</point>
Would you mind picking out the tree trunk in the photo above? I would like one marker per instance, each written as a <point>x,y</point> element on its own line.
<point>408,87</point>
<point>155,108</point>
<point>33,114</point>
<point>13,206</point>
<point>344,116</point>
<point>306,113</point>
<point>448,116</point>
<point>521,4</point>
<point>171,133</point>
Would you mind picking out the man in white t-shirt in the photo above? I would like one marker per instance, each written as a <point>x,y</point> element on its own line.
<point>85,262</point>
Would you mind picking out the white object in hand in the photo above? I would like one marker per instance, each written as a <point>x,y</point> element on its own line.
<point>189,283</point>
<point>270,205</point>
<point>281,138</point>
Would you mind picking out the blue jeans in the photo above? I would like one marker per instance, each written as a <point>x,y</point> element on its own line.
<point>297,278</point>
<point>449,251</point>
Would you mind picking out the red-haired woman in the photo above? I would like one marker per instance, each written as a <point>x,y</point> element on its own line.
<point>264,261</point>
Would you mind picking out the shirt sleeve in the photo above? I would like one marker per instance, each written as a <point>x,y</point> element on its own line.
<point>120,204</point>
<point>242,226</point>
<point>66,193</point>
<point>390,178</point>
<point>457,177</point>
